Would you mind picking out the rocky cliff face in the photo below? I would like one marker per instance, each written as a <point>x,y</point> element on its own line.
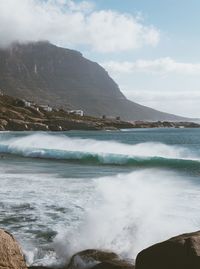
<point>61,77</point>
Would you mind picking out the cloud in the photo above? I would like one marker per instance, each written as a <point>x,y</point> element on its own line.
<point>83,6</point>
<point>161,65</point>
<point>68,23</point>
<point>184,103</point>
<point>167,96</point>
<point>164,84</point>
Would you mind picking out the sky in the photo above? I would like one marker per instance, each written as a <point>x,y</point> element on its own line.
<point>149,47</point>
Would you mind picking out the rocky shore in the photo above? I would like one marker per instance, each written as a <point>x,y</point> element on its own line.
<point>180,252</point>
<point>15,116</point>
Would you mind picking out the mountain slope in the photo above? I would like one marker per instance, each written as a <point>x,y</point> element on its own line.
<point>60,77</point>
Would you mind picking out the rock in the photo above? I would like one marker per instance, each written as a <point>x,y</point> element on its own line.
<point>36,126</point>
<point>179,252</point>
<point>3,123</point>
<point>12,114</point>
<point>114,264</point>
<point>55,127</point>
<point>39,267</point>
<point>97,259</point>
<point>76,124</point>
<point>90,257</point>
<point>17,125</point>
<point>11,256</point>
<point>2,128</point>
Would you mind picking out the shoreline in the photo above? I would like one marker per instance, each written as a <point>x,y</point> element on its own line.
<point>173,253</point>
<point>16,116</point>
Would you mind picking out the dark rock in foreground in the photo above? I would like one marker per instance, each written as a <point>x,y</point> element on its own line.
<point>11,256</point>
<point>98,259</point>
<point>114,264</point>
<point>180,252</point>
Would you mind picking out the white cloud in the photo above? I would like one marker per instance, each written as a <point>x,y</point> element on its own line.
<point>163,84</point>
<point>167,96</point>
<point>161,65</point>
<point>184,103</point>
<point>83,6</point>
<point>110,31</point>
<point>68,23</point>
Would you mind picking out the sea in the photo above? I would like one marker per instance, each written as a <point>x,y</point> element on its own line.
<point>63,192</point>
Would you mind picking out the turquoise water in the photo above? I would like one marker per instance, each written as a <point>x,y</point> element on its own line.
<point>123,191</point>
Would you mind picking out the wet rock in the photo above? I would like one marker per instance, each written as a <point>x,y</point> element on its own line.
<point>40,267</point>
<point>45,267</point>
<point>114,264</point>
<point>97,259</point>
<point>11,256</point>
<point>180,252</point>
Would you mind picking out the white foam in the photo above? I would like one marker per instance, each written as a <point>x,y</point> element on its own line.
<point>124,213</point>
<point>133,211</point>
<point>36,143</point>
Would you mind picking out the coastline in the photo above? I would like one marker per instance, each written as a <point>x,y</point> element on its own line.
<point>15,116</point>
<point>174,253</point>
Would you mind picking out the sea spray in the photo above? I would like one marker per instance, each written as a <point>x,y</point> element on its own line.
<point>100,152</point>
<point>129,212</point>
<point>98,193</point>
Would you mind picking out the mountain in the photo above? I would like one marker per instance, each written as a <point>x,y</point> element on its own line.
<point>60,77</point>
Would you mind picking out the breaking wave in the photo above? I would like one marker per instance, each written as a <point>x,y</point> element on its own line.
<point>58,214</point>
<point>98,152</point>
<point>129,212</point>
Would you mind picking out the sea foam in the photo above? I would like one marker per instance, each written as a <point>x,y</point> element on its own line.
<point>88,150</point>
<point>129,212</point>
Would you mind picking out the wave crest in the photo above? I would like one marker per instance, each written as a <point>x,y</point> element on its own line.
<point>95,151</point>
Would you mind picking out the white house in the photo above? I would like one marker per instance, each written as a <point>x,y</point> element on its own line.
<point>46,108</point>
<point>27,103</point>
<point>76,112</point>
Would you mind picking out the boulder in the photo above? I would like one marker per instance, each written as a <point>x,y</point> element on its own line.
<point>114,264</point>
<point>40,267</point>
<point>98,259</point>
<point>45,267</point>
<point>11,256</point>
<point>180,252</point>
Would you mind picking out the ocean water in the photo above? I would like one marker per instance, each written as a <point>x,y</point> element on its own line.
<point>120,190</point>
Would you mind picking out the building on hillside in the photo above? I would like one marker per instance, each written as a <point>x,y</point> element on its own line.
<point>46,108</point>
<point>27,103</point>
<point>76,112</point>
<point>24,103</point>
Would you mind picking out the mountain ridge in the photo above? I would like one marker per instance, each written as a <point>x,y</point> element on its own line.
<point>47,74</point>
